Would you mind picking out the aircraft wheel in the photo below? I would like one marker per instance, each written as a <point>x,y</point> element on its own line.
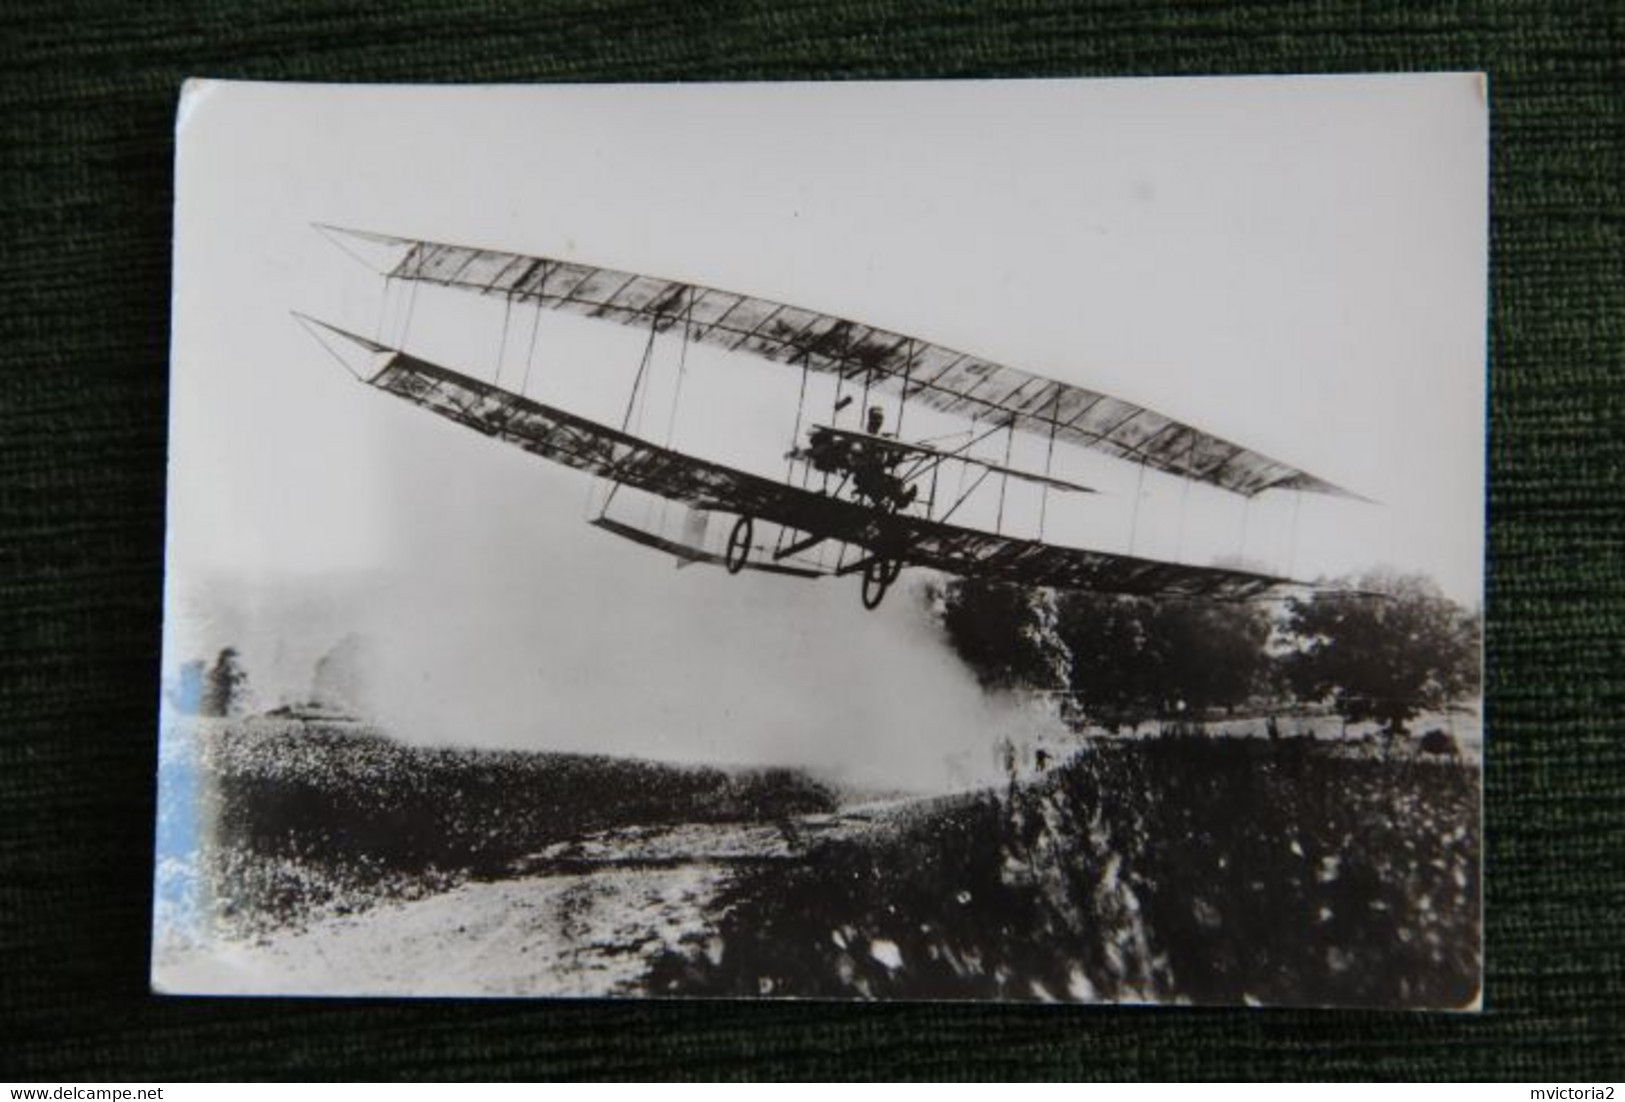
<point>739,545</point>
<point>893,568</point>
<point>877,578</point>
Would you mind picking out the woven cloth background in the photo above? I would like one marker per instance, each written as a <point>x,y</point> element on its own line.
<point>87,93</point>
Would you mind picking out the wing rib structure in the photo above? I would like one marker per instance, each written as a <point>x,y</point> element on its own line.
<point>944,379</point>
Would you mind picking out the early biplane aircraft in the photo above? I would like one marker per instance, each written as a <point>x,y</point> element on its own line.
<point>865,491</point>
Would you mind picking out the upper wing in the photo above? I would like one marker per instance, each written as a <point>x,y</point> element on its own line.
<point>954,382</point>
<point>589,446</point>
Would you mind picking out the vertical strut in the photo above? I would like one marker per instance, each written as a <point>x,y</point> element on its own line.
<point>631,405</point>
<point>383,310</point>
<point>1004,479</point>
<point>637,382</point>
<point>682,369</point>
<point>1292,547</point>
<point>902,398</point>
<point>406,324</point>
<point>1184,495</point>
<point>677,389</point>
<point>1134,520</point>
<point>835,410</point>
<point>795,437</point>
<point>502,345</point>
<point>1049,458</point>
<point>530,352</point>
<point>801,402</point>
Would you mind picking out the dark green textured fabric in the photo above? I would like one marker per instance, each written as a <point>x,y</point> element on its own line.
<point>86,102</point>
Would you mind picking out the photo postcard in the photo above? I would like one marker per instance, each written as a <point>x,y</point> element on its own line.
<point>983,540</point>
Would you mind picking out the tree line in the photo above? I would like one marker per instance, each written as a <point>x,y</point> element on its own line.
<point>1383,647</point>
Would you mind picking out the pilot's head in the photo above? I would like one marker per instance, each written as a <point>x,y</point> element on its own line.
<point>877,418</point>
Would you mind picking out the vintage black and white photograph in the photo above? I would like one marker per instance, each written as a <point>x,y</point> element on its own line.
<point>951,540</point>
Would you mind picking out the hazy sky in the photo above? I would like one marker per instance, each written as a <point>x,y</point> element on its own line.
<point>1297,265</point>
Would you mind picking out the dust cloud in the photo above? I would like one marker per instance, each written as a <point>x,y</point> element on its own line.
<point>719,670</point>
<point>535,636</point>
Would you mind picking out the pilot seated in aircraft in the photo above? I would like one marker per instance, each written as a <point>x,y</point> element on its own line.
<point>870,462</point>
<point>873,466</point>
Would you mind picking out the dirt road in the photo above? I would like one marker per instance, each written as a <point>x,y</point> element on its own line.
<point>584,917</point>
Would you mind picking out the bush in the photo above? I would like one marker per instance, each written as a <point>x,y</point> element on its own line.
<point>1212,871</point>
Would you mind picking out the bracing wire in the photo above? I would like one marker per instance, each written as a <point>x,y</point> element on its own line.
<point>502,344</point>
<point>329,349</point>
<point>965,467</point>
<point>530,353</point>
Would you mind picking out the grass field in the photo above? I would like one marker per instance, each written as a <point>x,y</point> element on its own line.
<point>310,818</point>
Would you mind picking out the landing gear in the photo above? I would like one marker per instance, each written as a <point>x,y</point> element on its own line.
<point>878,575</point>
<point>739,545</point>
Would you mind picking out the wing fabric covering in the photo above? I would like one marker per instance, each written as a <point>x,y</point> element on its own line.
<point>941,378</point>
<point>584,445</point>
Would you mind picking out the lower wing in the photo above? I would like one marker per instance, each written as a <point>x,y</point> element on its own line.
<point>585,445</point>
